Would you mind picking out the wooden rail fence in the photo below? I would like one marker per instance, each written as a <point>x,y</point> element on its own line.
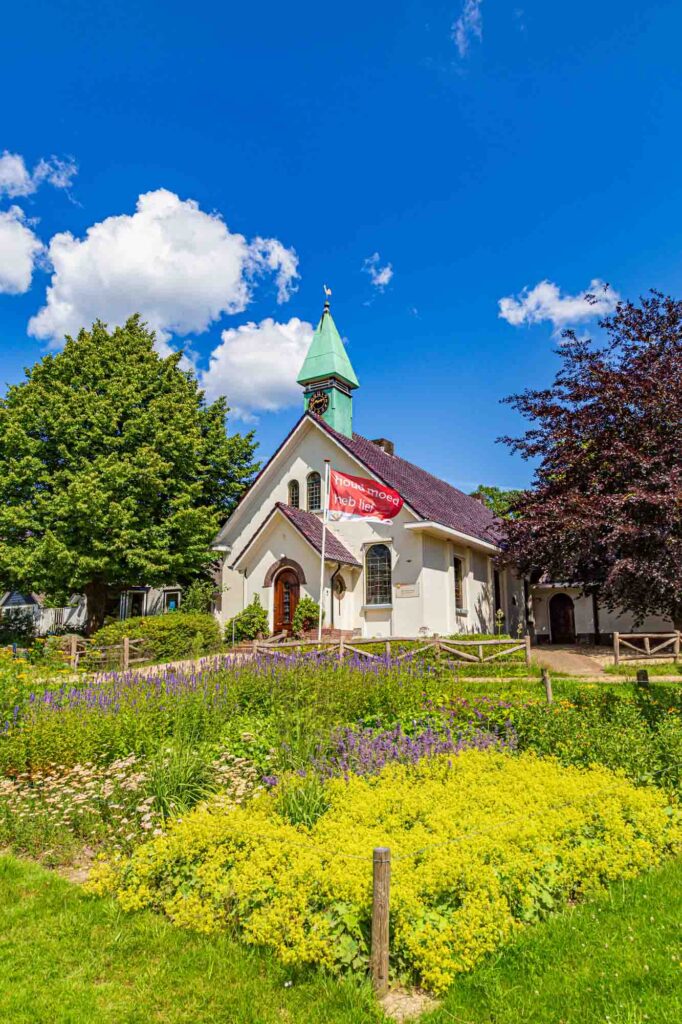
<point>639,646</point>
<point>128,652</point>
<point>476,651</point>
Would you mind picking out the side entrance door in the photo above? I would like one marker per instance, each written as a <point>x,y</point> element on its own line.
<point>287,590</point>
<point>562,619</point>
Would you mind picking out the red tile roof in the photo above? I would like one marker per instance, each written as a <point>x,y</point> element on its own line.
<point>310,527</point>
<point>432,499</point>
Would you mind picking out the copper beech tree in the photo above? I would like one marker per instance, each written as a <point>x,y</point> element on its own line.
<point>605,508</point>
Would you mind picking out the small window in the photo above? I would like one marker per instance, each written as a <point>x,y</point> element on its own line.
<point>314,493</point>
<point>459,582</point>
<point>294,494</point>
<point>378,585</point>
<point>171,600</point>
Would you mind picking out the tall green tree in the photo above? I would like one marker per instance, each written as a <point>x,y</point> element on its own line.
<point>605,508</point>
<point>500,502</point>
<point>114,472</point>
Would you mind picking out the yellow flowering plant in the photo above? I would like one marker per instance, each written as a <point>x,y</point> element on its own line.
<point>482,843</point>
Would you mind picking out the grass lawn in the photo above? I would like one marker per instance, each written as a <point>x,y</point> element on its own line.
<point>629,669</point>
<point>615,961</point>
<point>66,958</point>
<point>70,959</point>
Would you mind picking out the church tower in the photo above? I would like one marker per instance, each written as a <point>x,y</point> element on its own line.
<point>327,377</point>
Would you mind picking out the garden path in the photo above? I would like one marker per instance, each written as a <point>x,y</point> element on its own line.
<point>567,661</point>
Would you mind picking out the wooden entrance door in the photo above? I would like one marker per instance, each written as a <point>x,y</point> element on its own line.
<point>286,598</point>
<point>562,619</point>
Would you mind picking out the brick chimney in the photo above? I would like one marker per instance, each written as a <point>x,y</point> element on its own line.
<point>385,445</point>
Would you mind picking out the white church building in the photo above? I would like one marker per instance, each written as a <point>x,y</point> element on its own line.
<point>432,570</point>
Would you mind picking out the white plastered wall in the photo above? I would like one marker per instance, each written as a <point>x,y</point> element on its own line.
<point>422,565</point>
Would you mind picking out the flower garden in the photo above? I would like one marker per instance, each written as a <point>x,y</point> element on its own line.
<point>245,798</point>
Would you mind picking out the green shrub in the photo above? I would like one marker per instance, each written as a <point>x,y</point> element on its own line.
<point>249,624</point>
<point>483,843</point>
<point>17,626</point>
<point>198,597</point>
<point>306,616</point>
<point>166,637</point>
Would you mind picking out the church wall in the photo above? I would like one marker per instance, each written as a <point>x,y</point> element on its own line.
<point>619,620</point>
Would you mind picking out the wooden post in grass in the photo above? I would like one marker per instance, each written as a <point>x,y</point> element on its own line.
<point>642,677</point>
<point>616,648</point>
<point>342,649</point>
<point>381,884</point>
<point>676,647</point>
<point>125,659</point>
<point>527,648</point>
<point>73,651</point>
<point>547,681</point>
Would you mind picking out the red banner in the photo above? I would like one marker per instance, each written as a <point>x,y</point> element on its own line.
<point>356,497</point>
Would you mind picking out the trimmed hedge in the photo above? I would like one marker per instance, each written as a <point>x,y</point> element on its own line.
<point>166,637</point>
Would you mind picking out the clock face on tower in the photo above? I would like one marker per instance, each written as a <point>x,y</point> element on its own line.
<point>318,403</point>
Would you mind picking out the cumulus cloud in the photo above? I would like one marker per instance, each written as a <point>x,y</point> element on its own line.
<point>545,302</point>
<point>256,365</point>
<point>379,276</point>
<point>16,179</point>
<point>180,267</point>
<point>19,249</point>
<point>468,26</point>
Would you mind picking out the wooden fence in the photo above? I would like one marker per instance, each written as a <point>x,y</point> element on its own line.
<point>128,652</point>
<point>638,646</point>
<point>477,651</point>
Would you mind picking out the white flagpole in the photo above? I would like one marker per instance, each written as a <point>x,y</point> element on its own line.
<point>325,512</point>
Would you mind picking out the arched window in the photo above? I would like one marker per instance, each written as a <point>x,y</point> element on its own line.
<point>314,492</point>
<point>294,496</point>
<point>378,589</point>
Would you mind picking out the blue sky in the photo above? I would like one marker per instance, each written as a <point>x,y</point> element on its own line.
<point>478,148</point>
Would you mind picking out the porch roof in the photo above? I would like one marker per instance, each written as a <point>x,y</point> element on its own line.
<point>310,528</point>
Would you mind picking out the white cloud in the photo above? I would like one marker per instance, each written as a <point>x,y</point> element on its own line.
<point>545,302</point>
<point>379,276</point>
<point>181,268</point>
<point>256,366</point>
<point>17,180</point>
<point>469,25</point>
<point>19,249</point>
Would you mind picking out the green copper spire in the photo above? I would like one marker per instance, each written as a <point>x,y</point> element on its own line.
<point>327,355</point>
<point>328,377</point>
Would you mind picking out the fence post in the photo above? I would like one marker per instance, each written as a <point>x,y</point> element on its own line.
<point>381,884</point>
<point>647,646</point>
<point>616,648</point>
<point>255,648</point>
<point>676,646</point>
<point>642,677</point>
<point>342,650</point>
<point>73,651</point>
<point>527,648</point>
<point>547,681</point>
<point>126,653</point>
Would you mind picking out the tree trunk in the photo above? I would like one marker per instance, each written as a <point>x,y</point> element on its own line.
<point>96,605</point>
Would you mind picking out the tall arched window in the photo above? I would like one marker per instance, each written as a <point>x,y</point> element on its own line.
<point>378,589</point>
<point>314,492</point>
<point>294,494</point>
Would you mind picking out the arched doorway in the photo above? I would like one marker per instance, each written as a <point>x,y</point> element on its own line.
<point>287,590</point>
<point>562,619</point>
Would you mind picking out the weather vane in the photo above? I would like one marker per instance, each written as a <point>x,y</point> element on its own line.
<point>327,292</point>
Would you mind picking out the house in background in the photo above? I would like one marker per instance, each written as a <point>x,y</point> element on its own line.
<point>120,605</point>
<point>433,570</point>
<point>562,614</point>
<point>45,619</point>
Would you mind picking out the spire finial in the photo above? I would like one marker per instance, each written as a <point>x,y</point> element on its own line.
<point>327,293</point>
